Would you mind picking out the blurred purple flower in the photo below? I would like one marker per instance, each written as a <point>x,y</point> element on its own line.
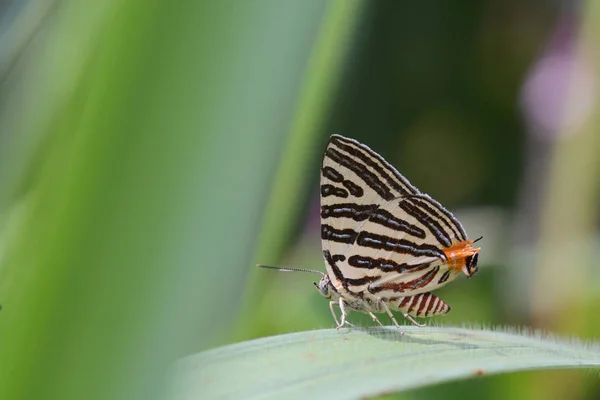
<point>560,91</point>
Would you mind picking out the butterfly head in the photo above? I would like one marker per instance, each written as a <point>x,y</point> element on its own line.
<point>324,286</point>
<point>471,259</point>
<point>472,256</point>
<point>463,257</point>
<point>470,267</point>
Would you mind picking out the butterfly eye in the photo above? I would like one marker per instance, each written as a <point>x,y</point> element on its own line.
<point>323,287</point>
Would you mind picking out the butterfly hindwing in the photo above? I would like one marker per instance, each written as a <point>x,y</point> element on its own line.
<point>401,252</point>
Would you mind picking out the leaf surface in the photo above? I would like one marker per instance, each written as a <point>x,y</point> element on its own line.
<point>367,362</point>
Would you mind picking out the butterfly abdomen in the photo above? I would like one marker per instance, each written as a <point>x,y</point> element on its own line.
<point>421,305</point>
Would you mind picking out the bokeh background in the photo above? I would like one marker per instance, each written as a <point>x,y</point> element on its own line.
<point>152,152</point>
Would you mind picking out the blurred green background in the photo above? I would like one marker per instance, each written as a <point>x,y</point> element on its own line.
<point>152,152</point>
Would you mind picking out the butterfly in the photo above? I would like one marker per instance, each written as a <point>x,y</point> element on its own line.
<point>386,245</point>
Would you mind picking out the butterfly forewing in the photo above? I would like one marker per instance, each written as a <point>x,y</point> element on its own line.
<point>379,232</point>
<point>355,181</point>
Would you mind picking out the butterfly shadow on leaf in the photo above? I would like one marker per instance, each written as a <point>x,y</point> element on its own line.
<point>410,335</point>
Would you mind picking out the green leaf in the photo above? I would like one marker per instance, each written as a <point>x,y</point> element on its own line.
<point>127,240</point>
<point>368,362</point>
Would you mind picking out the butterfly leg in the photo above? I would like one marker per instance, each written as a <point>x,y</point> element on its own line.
<point>331,304</point>
<point>375,318</point>
<point>342,305</point>
<point>389,313</point>
<point>411,319</point>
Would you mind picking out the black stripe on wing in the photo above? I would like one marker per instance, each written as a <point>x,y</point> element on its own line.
<point>444,277</point>
<point>335,176</point>
<point>328,232</point>
<point>401,246</point>
<point>332,261</point>
<point>387,219</point>
<point>401,287</point>
<point>332,174</point>
<point>373,214</point>
<point>368,157</point>
<point>433,207</point>
<point>330,190</point>
<point>348,210</point>
<point>361,171</point>
<point>353,188</point>
<point>384,265</point>
<point>427,221</point>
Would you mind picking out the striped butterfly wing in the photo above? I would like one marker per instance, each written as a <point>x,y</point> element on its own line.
<point>379,233</point>
<point>405,262</point>
<point>355,181</point>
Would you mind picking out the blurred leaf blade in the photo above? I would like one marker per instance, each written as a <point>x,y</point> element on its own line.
<point>320,83</point>
<point>368,362</point>
<point>120,250</point>
<point>324,70</point>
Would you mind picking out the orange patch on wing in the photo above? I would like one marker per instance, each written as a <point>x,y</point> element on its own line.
<point>457,253</point>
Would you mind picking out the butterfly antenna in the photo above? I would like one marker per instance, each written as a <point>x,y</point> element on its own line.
<point>478,239</point>
<point>285,269</point>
